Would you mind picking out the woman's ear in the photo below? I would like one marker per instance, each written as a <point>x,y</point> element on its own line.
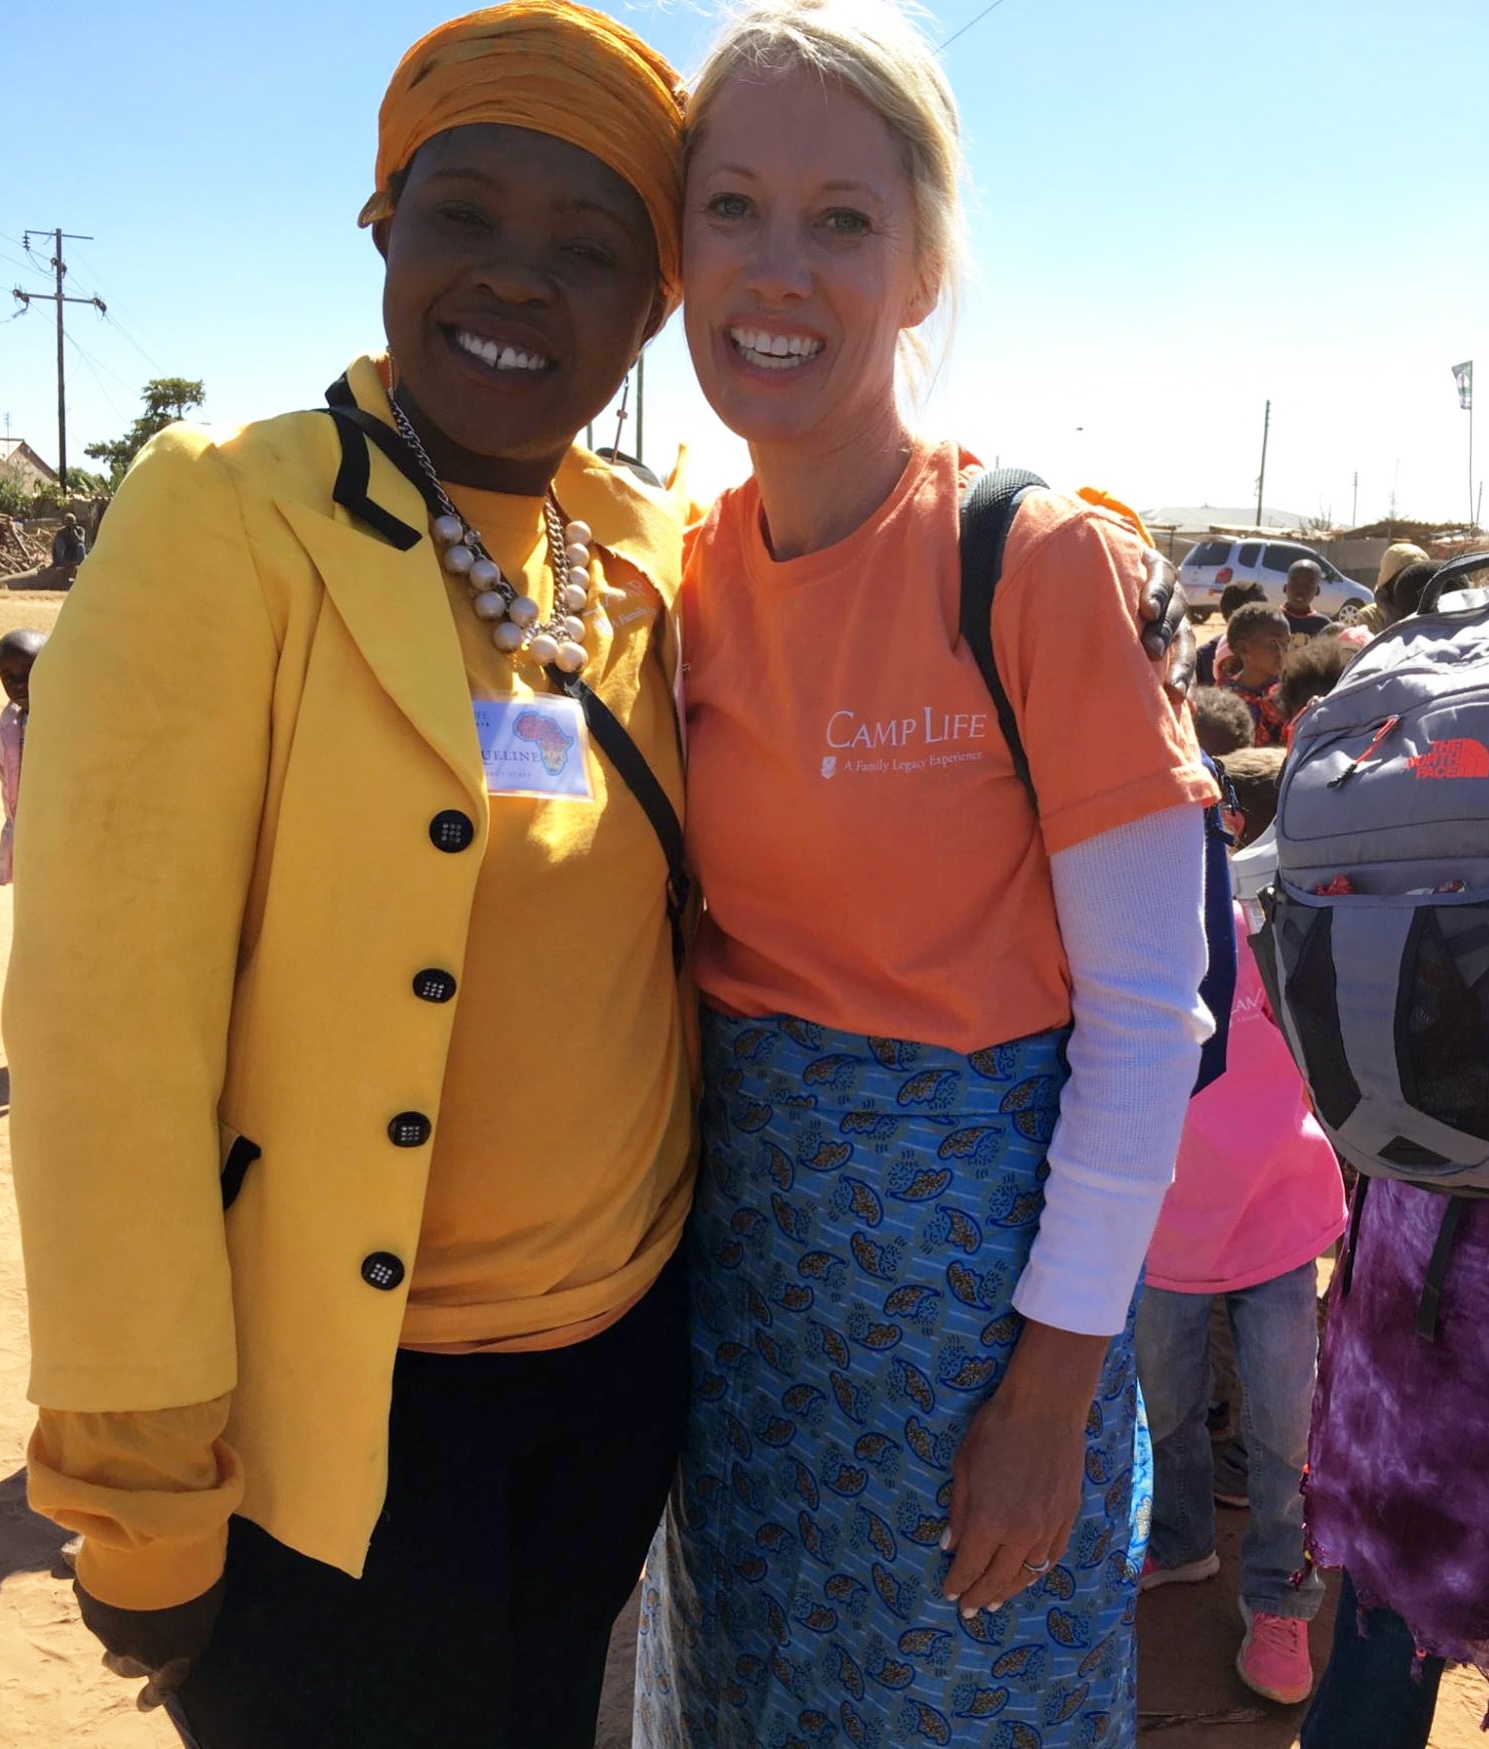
<point>923,300</point>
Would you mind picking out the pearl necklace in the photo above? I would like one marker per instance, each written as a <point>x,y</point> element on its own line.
<point>517,623</point>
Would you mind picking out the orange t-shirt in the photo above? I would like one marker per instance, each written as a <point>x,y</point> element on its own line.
<point>866,850</point>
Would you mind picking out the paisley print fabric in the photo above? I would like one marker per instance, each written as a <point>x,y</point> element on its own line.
<point>865,1210</point>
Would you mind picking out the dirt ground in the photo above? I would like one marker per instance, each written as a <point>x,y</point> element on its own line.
<point>54,1690</point>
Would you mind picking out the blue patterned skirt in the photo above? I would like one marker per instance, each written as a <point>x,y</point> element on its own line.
<point>865,1210</point>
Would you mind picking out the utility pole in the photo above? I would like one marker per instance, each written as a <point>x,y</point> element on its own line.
<point>1261,478</point>
<point>60,299</point>
<point>1354,503</point>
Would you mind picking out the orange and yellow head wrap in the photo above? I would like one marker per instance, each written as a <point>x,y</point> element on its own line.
<point>558,69</point>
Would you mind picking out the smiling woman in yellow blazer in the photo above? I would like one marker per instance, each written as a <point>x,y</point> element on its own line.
<point>353,1127</point>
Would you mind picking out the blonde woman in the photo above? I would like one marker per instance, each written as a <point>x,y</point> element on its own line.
<point>914,1492</point>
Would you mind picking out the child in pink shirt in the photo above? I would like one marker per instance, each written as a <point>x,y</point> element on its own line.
<point>18,651</point>
<point>1257,1198</point>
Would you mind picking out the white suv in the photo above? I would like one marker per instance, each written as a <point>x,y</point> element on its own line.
<point>1213,564</point>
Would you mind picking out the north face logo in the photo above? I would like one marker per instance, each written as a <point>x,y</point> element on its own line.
<point>1452,759</point>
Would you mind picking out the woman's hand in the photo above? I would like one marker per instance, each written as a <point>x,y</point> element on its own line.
<point>161,1644</point>
<point>1016,1481</point>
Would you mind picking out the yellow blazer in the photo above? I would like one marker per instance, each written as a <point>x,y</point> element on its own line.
<point>251,713</point>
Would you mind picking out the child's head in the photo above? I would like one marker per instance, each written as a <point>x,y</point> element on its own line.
<point>1311,671</point>
<point>1255,774</point>
<point>1222,723</point>
<point>1304,580</point>
<point>18,650</point>
<point>1236,595</point>
<point>1259,637</point>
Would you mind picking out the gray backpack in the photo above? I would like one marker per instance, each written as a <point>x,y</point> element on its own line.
<point>1376,947</point>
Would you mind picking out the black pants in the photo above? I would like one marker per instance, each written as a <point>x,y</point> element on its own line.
<point>523,1492</point>
<point>1375,1694</point>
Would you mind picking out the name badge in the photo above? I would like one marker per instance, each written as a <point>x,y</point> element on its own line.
<point>534,747</point>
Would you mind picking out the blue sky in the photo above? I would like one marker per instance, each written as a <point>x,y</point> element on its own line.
<point>1183,208</point>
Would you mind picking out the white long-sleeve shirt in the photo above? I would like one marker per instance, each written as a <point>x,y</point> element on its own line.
<point>1131,909</point>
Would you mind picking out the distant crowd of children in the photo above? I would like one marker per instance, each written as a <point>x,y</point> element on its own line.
<point>1258,1194</point>
<point>1273,660</point>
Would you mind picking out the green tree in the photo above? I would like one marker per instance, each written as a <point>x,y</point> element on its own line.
<point>84,483</point>
<point>166,399</point>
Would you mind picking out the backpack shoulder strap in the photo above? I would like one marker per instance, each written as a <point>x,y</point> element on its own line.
<point>614,739</point>
<point>988,509</point>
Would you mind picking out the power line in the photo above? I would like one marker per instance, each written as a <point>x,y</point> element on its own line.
<point>107,369</point>
<point>113,317</point>
<point>89,363</point>
<point>966,27</point>
<point>154,363</point>
<point>25,266</point>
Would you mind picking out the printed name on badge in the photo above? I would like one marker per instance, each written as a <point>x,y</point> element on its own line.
<point>534,747</point>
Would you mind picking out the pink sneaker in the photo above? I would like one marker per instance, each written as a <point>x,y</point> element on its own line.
<point>1273,1661</point>
<point>1190,1573</point>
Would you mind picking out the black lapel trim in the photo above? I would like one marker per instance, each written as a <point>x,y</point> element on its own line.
<point>352,490</point>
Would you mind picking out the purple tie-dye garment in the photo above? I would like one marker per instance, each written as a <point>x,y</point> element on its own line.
<point>1398,1489</point>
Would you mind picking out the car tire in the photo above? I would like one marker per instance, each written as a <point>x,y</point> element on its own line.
<point>1349,614</point>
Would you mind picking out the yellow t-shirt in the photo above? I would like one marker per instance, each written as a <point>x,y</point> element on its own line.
<point>561,1168</point>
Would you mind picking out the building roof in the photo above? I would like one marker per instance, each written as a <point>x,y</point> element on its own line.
<point>1207,516</point>
<point>16,449</point>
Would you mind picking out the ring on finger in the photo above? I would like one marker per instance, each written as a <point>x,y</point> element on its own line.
<point>1043,1567</point>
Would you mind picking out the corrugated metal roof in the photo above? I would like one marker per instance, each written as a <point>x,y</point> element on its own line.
<point>1222,516</point>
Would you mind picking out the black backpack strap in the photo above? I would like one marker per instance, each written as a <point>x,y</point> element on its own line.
<point>1429,1307</point>
<point>1437,1270</point>
<point>1217,988</point>
<point>988,509</point>
<point>612,737</point>
<point>1356,1215</point>
<point>357,428</point>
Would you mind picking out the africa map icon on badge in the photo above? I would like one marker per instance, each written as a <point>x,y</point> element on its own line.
<point>550,738</point>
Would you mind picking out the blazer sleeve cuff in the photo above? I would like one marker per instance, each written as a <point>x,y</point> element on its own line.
<point>155,1575</point>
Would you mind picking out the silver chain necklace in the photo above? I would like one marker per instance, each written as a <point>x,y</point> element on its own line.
<point>516,620</point>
